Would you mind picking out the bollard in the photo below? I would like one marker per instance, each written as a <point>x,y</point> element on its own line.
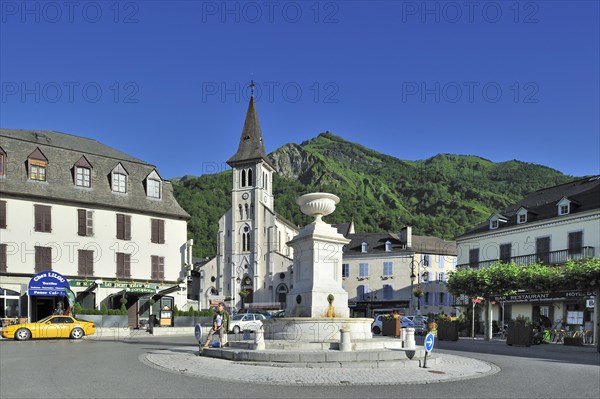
<point>403,336</point>
<point>345,341</point>
<point>259,340</point>
<point>409,343</point>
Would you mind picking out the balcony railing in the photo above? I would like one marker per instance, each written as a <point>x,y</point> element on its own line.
<point>548,258</point>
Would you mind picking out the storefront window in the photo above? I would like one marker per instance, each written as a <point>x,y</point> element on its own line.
<point>9,303</point>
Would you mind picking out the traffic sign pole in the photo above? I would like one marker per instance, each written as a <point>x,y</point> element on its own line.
<point>429,342</point>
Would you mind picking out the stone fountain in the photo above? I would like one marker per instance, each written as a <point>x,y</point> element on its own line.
<point>317,305</point>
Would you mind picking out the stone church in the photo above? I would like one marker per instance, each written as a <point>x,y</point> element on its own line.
<point>253,263</point>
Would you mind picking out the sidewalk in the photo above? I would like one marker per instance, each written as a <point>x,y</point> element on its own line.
<point>442,367</point>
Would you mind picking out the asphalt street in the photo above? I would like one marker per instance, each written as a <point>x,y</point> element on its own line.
<point>117,369</point>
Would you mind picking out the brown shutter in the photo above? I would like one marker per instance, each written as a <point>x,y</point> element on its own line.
<point>81,222</point>
<point>2,214</point>
<point>127,266</point>
<point>161,231</point>
<point>154,230</point>
<point>81,263</point>
<point>161,268</point>
<point>154,268</point>
<point>47,219</point>
<point>127,232</point>
<point>43,259</point>
<point>120,227</point>
<point>38,218</point>
<point>119,263</point>
<point>3,258</point>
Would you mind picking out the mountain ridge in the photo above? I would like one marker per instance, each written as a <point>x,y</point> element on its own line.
<point>442,196</point>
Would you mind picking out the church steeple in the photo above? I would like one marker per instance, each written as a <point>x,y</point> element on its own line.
<point>251,148</point>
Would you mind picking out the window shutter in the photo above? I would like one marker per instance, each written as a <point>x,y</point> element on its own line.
<point>127,233</point>
<point>119,263</point>
<point>161,232</point>
<point>3,258</point>
<point>127,265</point>
<point>153,230</point>
<point>90,223</point>
<point>161,268</point>
<point>2,214</point>
<point>120,227</point>
<point>154,270</point>
<point>47,219</point>
<point>81,222</point>
<point>38,218</point>
<point>81,262</point>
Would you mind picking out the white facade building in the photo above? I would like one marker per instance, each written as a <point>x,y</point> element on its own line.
<point>377,270</point>
<point>551,226</point>
<point>104,220</point>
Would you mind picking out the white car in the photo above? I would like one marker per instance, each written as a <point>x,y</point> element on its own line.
<point>245,321</point>
<point>420,323</point>
<point>378,323</point>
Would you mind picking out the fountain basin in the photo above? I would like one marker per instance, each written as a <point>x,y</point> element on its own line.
<point>314,329</point>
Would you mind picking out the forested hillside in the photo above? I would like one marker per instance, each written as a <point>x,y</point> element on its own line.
<point>441,196</point>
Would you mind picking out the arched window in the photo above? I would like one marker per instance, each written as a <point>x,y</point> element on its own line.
<point>249,177</point>
<point>243,184</point>
<point>388,246</point>
<point>246,208</point>
<point>246,239</point>
<point>364,247</point>
<point>241,211</point>
<point>252,210</point>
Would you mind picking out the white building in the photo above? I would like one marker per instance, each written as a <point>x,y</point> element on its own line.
<point>105,221</point>
<point>377,270</point>
<point>253,260</point>
<point>551,225</point>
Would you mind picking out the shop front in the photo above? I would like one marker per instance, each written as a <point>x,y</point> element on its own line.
<point>46,292</point>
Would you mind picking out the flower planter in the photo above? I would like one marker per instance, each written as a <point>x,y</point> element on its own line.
<point>574,341</point>
<point>519,334</point>
<point>447,331</point>
<point>390,327</point>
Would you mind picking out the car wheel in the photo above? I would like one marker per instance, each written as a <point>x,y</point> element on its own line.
<point>236,330</point>
<point>376,330</point>
<point>77,333</point>
<point>22,334</point>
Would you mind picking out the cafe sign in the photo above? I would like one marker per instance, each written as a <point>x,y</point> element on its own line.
<point>127,286</point>
<point>48,283</point>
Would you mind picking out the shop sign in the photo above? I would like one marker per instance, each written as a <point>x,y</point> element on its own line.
<point>129,287</point>
<point>541,296</point>
<point>48,283</point>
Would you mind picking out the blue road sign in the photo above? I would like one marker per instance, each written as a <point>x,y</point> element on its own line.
<point>429,340</point>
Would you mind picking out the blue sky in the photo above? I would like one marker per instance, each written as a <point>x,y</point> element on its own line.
<point>167,81</point>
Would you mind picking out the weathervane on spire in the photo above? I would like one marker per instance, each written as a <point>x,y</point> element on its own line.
<point>252,88</point>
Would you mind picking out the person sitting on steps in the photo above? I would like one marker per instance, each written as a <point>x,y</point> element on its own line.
<point>220,324</point>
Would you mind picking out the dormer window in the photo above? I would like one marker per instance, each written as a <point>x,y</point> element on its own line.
<point>522,216</point>
<point>37,164</point>
<point>119,179</point>
<point>388,246</point>
<point>495,221</point>
<point>564,206</point>
<point>83,173</point>
<point>154,185</point>
<point>364,246</point>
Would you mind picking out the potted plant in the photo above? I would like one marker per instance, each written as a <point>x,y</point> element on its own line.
<point>520,332</point>
<point>390,325</point>
<point>447,328</point>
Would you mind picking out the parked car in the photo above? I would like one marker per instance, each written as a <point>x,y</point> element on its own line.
<point>377,324</point>
<point>420,323</point>
<point>280,313</point>
<point>50,327</point>
<point>245,321</point>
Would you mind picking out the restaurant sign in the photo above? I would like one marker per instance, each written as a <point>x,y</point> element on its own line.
<point>541,296</point>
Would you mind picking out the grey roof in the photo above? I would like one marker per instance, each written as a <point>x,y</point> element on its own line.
<point>584,195</point>
<point>63,151</point>
<point>420,244</point>
<point>252,147</point>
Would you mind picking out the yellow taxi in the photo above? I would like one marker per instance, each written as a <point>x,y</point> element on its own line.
<point>57,326</point>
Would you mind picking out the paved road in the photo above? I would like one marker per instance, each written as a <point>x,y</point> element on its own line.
<point>106,369</point>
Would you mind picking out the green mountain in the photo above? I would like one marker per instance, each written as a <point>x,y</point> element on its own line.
<point>440,196</point>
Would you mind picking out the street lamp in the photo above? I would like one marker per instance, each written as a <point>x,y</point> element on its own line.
<point>417,264</point>
<point>370,296</point>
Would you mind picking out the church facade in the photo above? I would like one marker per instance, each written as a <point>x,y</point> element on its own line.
<point>254,263</point>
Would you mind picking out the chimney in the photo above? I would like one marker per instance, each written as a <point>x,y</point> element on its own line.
<point>406,236</point>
